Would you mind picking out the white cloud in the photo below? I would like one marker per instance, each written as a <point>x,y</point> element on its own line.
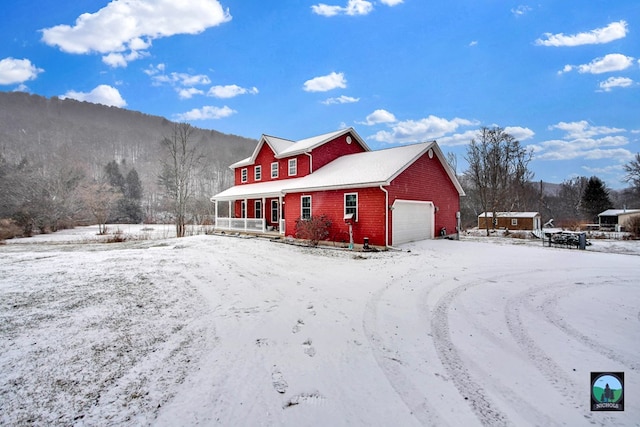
<point>585,141</point>
<point>14,71</point>
<point>123,29</point>
<point>353,7</point>
<point>612,82</point>
<point>341,100</point>
<point>521,10</point>
<point>583,129</point>
<point>103,94</point>
<point>473,43</point>
<point>457,139</point>
<point>379,116</point>
<point>230,91</point>
<point>606,64</point>
<point>519,133</point>
<point>326,83</point>
<point>205,113</point>
<point>613,31</point>
<point>421,130</point>
<point>189,92</point>
<point>391,2</point>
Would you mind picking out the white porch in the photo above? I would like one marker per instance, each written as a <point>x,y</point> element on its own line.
<point>242,222</point>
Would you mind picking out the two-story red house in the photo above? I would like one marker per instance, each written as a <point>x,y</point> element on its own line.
<point>392,196</point>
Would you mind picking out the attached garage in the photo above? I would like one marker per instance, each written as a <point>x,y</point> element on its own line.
<point>412,220</point>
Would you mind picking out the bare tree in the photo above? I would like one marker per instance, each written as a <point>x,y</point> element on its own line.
<point>498,169</point>
<point>182,161</point>
<point>100,198</point>
<point>633,172</point>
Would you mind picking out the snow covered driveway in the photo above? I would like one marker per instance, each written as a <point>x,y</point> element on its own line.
<point>213,330</point>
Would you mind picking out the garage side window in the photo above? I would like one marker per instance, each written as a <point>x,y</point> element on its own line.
<point>305,207</point>
<point>351,205</point>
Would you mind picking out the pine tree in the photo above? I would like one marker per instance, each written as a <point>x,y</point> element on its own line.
<point>595,199</point>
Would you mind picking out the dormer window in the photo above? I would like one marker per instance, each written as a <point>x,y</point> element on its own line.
<point>293,167</point>
<point>257,173</point>
<point>243,175</point>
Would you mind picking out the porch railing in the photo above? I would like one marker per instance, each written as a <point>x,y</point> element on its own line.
<point>241,224</point>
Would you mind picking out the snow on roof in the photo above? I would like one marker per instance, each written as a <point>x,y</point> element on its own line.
<point>618,212</point>
<point>307,144</point>
<point>278,144</point>
<point>255,190</point>
<point>511,214</point>
<point>369,168</point>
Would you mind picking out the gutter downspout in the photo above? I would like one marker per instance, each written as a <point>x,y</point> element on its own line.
<point>386,216</point>
<point>310,162</point>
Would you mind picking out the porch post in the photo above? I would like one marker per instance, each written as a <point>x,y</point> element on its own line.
<point>246,208</point>
<point>280,210</point>
<point>229,226</point>
<point>215,214</point>
<point>264,216</point>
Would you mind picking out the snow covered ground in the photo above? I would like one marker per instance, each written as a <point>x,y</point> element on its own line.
<point>220,330</point>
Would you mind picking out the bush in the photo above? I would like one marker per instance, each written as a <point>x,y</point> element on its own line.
<point>9,229</point>
<point>313,229</point>
<point>633,227</point>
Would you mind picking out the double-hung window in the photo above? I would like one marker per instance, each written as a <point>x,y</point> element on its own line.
<point>258,209</point>
<point>274,170</point>
<point>243,175</point>
<point>257,173</point>
<point>274,211</point>
<point>305,207</point>
<point>351,205</point>
<point>293,167</point>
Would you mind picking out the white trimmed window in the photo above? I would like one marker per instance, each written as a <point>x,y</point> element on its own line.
<point>274,211</point>
<point>305,207</point>
<point>257,173</point>
<point>514,221</point>
<point>274,170</point>
<point>243,209</point>
<point>243,175</point>
<point>351,205</point>
<point>293,167</point>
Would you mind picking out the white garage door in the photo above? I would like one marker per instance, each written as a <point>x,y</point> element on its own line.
<point>412,220</point>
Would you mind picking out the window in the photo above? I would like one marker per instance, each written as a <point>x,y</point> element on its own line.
<point>305,207</point>
<point>258,209</point>
<point>243,209</point>
<point>514,221</point>
<point>274,170</point>
<point>293,167</point>
<point>351,205</point>
<point>274,211</point>
<point>257,173</point>
<point>243,172</point>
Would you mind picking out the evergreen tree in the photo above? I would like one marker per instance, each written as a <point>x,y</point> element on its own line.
<point>113,176</point>
<point>595,199</point>
<point>133,197</point>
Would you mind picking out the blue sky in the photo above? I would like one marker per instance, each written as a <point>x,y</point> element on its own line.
<point>562,77</point>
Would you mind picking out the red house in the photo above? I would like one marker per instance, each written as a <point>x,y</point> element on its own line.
<point>389,196</point>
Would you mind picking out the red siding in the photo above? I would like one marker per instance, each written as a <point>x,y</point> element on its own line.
<point>426,179</point>
<point>330,151</point>
<point>371,208</point>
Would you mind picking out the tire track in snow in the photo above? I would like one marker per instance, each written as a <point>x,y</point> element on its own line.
<point>473,392</point>
<point>391,366</point>
<point>549,308</point>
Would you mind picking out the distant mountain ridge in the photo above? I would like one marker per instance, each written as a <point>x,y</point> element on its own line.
<point>49,130</point>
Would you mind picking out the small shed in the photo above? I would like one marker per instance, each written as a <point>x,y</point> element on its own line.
<point>510,220</point>
<point>617,219</point>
